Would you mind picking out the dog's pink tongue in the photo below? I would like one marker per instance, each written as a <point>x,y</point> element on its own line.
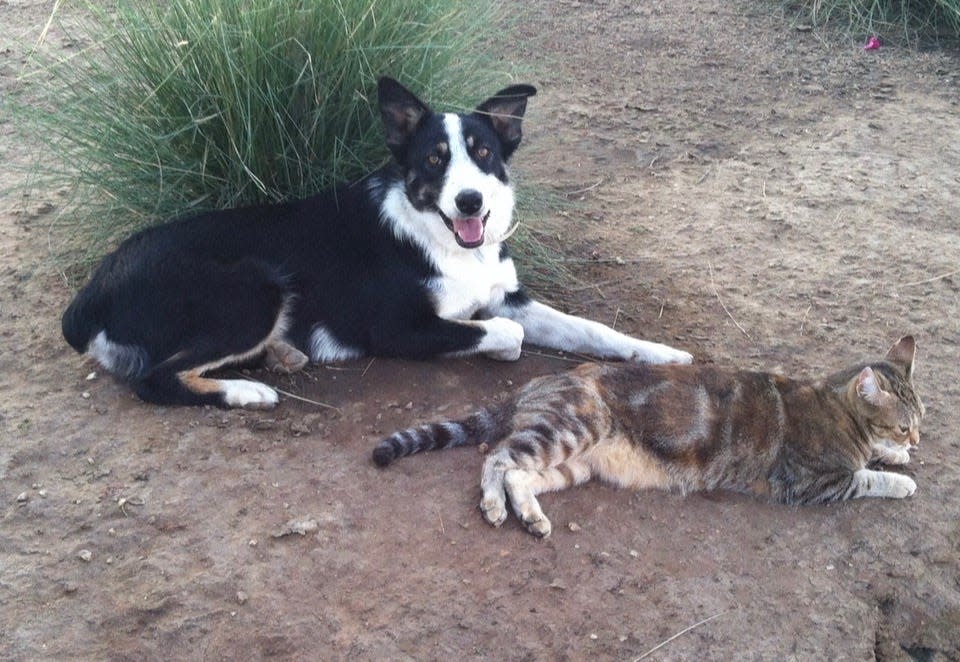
<point>470,230</point>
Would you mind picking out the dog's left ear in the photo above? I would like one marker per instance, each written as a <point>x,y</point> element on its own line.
<point>504,110</point>
<point>402,113</point>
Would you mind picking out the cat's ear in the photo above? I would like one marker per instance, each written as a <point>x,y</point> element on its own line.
<point>902,354</point>
<point>869,389</point>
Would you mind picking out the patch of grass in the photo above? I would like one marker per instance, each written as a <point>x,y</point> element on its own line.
<point>916,21</point>
<point>166,108</point>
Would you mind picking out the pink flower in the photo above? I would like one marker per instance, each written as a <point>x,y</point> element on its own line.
<point>873,43</point>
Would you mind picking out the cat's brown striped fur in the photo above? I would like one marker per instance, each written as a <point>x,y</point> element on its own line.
<point>690,428</point>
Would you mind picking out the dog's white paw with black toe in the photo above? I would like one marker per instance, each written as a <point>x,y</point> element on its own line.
<point>503,339</point>
<point>247,394</point>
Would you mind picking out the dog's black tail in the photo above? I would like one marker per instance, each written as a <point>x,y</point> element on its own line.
<point>79,324</point>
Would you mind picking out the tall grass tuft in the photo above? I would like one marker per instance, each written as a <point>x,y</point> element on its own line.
<point>185,105</point>
<point>916,21</point>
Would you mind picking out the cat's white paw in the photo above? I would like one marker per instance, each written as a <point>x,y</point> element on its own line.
<point>494,510</point>
<point>898,456</point>
<point>651,352</point>
<point>539,526</point>
<point>900,486</point>
<point>503,339</point>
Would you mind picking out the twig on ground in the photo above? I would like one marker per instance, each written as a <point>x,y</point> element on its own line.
<point>581,191</point>
<point>292,395</point>
<point>679,634</point>
<point>932,279</point>
<point>804,320</point>
<point>364,373</point>
<point>717,294</point>
<point>533,352</point>
<point>307,400</point>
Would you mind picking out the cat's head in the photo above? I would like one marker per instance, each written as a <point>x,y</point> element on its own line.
<point>884,394</point>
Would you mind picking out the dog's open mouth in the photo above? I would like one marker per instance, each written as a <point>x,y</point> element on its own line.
<point>469,231</point>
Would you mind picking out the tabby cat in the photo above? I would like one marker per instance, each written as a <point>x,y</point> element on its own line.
<point>691,428</point>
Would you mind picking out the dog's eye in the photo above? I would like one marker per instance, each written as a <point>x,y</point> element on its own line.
<point>483,152</point>
<point>433,160</point>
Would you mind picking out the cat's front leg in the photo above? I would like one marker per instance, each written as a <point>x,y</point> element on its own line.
<point>519,486</point>
<point>493,505</point>
<point>889,453</point>
<point>870,483</point>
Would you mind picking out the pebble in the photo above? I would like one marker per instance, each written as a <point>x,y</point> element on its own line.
<point>22,497</point>
<point>298,526</point>
<point>573,526</point>
<point>634,553</point>
<point>264,424</point>
<point>242,597</point>
<point>85,555</point>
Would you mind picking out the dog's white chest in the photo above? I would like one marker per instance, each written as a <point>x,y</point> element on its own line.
<point>471,281</point>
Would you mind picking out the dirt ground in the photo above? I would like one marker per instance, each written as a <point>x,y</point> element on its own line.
<point>751,192</point>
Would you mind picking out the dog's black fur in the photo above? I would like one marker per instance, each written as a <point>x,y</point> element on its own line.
<point>407,262</point>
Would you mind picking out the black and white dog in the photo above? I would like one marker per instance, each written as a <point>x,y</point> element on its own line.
<point>407,262</point>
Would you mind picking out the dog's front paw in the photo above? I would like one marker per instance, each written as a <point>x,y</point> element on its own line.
<point>502,340</point>
<point>651,352</point>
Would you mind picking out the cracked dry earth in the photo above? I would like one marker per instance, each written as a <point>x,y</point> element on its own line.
<point>760,196</point>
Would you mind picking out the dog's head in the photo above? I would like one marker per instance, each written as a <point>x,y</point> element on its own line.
<point>454,165</point>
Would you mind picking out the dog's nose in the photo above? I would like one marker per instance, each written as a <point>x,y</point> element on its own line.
<point>469,201</point>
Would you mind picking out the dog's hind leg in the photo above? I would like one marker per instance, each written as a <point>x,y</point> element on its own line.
<point>241,314</point>
<point>191,388</point>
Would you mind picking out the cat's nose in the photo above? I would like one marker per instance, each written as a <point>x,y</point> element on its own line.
<point>915,437</point>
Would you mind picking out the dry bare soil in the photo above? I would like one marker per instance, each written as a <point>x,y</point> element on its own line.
<point>754,193</point>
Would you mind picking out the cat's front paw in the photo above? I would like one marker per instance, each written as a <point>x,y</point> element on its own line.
<point>539,526</point>
<point>900,486</point>
<point>895,456</point>
<point>494,510</point>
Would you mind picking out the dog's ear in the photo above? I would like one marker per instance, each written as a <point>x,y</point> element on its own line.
<point>504,110</point>
<point>401,111</point>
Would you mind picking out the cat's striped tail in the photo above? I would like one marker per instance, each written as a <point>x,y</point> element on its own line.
<point>484,426</point>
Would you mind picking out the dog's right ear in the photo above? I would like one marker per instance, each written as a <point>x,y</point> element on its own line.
<point>401,111</point>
